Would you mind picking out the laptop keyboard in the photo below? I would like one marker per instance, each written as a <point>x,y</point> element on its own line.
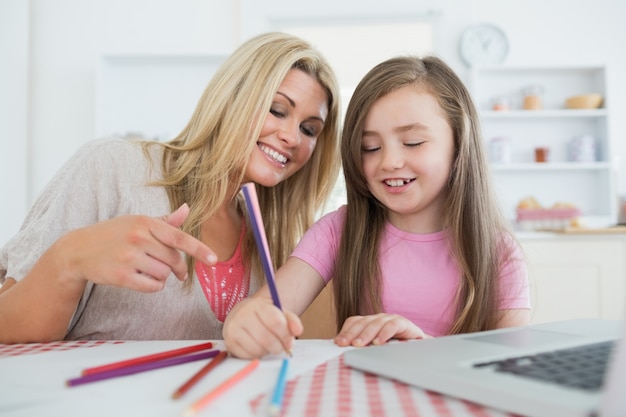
<point>581,367</point>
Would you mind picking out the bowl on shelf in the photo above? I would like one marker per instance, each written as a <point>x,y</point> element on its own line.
<point>584,101</point>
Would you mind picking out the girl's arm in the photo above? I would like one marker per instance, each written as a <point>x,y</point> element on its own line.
<point>255,327</point>
<point>513,317</point>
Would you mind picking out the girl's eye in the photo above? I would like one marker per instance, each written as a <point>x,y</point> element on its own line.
<point>370,149</point>
<point>413,144</point>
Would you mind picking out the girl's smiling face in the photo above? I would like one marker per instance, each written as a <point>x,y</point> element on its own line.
<point>290,130</point>
<point>407,153</point>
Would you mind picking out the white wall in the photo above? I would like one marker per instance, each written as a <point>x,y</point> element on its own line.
<point>49,51</point>
<point>14,37</point>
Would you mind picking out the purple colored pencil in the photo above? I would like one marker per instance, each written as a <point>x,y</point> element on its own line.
<point>252,202</point>
<point>114,373</point>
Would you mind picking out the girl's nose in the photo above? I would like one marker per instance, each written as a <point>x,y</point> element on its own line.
<point>392,160</point>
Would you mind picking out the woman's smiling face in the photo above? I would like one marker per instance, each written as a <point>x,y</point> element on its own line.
<point>290,130</point>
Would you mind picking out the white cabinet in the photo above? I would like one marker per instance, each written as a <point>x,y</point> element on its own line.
<point>590,185</point>
<point>577,276</point>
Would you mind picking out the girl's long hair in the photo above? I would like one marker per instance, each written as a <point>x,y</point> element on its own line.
<point>473,218</point>
<point>202,163</point>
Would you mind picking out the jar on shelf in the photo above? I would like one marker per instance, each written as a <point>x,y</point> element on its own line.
<point>500,150</point>
<point>501,103</point>
<point>582,149</point>
<point>532,97</point>
<point>542,154</point>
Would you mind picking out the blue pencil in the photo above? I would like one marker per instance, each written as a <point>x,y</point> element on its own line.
<point>279,391</point>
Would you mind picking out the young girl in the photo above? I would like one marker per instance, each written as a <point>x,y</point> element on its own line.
<point>97,259</point>
<point>421,249</point>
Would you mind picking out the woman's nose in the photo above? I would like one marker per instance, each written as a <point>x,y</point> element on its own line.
<point>289,133</point>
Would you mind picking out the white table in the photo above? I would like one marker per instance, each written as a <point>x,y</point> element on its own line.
<point>34,384</point>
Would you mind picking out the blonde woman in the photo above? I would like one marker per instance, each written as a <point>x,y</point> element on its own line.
<point>421,248</point>
<point>101,255</point>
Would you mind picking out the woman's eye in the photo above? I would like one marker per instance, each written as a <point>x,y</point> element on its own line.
<point>277,113</point>
<point>413,144</point>
<point>306,131</point>
<point>311,131</point>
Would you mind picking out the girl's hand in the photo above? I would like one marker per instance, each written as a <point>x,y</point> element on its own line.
<point>255,327</point>
<point>376,329</point>
<point>135,252</point>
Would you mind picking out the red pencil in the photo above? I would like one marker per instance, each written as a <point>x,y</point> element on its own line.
<point>148,358</point>
<point>202,372</point>
<point>212,395</point>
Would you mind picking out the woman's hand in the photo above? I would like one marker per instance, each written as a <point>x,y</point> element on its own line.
<point>255,327</point>
<point>135,252</point>
<point>377,329</point>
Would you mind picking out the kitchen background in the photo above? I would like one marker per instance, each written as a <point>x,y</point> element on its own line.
<point>69,67</point>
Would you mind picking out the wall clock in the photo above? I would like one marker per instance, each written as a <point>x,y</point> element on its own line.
<point>483,44</point>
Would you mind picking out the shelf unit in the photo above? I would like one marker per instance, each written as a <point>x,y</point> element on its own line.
<point>591,186</point>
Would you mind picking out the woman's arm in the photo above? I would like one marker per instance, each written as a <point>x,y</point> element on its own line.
<point>135,252</point>
<point>39,307</point>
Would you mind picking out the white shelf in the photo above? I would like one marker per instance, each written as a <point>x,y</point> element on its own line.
<point>538,114</point>
<point>551,166</point>
<point>591,186</point>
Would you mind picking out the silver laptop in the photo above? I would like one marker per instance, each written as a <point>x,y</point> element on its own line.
<point>504,368</point>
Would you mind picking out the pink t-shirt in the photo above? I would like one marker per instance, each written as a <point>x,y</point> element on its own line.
<point>420,278</point>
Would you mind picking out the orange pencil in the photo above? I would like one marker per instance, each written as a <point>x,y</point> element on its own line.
<point>212,395</point>
<point>202,372</point>
<point>148,358</point>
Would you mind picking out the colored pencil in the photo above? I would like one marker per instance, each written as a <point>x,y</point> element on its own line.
<point>143,367</point>
<point>149,358</point>
<point>201,373</point>
<point>277,399</point>
<point>254,211</point>
<point>216,392</point>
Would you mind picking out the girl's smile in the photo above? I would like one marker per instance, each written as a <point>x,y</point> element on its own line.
<point>407,152</point>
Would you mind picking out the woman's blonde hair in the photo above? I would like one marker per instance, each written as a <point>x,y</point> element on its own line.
<point>203,162</point>
<point>473,218</point>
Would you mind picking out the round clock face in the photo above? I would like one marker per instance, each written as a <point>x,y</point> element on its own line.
<point>483,44</point>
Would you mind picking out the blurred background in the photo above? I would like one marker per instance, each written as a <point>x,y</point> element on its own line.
<point>73,70</point>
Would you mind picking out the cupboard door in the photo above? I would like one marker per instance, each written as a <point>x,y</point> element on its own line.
<point>578,278</point>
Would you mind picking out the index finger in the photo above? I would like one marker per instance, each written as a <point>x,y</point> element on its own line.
<point>176,238</point>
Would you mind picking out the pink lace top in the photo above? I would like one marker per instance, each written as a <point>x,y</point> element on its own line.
<point>226,283</point>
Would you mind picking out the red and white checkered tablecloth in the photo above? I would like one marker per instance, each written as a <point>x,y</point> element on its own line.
<point>32,348</point>
<point>333,389</point>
